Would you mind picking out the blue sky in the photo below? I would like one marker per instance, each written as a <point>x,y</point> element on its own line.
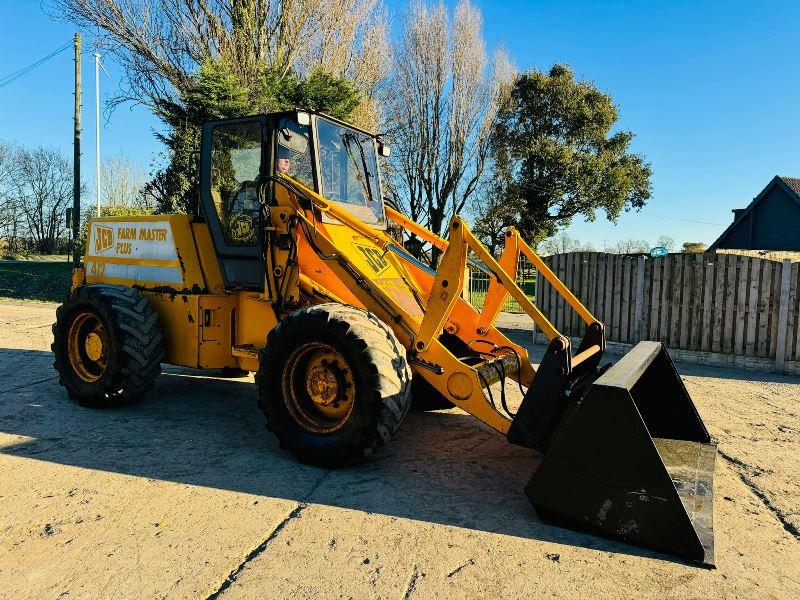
<point>711,90</point>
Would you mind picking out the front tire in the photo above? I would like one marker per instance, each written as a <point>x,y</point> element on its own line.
<point>333,383</point>
<point>107,345</point>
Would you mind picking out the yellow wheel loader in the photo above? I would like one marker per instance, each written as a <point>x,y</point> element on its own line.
<point>288,271</point>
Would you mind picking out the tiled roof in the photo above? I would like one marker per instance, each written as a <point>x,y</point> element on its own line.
<point>793,183</point>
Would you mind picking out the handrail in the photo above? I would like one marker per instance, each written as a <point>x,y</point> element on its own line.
<point>324,205</point>
<point>320,202</point>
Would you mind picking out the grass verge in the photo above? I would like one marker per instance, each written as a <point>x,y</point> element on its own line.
<point>42,281</point>
<point>477,295</point>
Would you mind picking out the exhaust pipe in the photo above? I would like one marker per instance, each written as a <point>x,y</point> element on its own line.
<point>630,459</point>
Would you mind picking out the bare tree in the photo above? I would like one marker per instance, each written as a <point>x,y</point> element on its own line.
<point>6,151</point>
<point>631,246</point>
<point>351,40</point>
<point>11,217</point>
<point>5,168</point>
<point>161,43</point>
<point>563,243</point>
<point>43,189</point>
<point>122,182</point>
<point>666,242</point>
<point>444,96</point>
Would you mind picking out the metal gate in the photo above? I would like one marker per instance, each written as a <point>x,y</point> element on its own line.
<point>478,285</point>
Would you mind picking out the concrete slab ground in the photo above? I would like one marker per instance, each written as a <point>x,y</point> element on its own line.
<point>186,496</point>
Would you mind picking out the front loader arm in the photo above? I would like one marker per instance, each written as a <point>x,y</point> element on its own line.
<point>496,295</point>
<point>421,304</point>
<point>595,430</point>
<point>461,240</point>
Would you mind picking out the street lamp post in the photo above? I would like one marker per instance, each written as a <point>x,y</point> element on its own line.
<point>97,67</point>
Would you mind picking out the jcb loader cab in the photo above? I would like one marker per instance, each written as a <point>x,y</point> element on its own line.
<point>288,271</point>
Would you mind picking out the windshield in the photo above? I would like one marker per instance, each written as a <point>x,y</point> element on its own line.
<point>349,171</point>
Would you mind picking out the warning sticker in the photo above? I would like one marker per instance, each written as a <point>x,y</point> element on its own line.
<point>398,290</point>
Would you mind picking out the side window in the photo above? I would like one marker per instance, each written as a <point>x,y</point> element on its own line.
<point>293,152</point>
<point>235,173</point>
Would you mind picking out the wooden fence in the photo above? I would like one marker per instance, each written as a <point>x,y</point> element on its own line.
<point>716,303</point>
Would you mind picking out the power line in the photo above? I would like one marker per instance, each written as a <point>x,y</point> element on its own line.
<point>537,188</point>
<point>4,81</point>
<point>684,220</point>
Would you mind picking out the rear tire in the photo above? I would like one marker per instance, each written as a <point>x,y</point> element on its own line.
<point>333,383</point>
<point>107,345</point>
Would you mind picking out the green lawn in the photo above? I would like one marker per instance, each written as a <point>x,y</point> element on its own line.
<point>528,286</point>
<point>43,281</point>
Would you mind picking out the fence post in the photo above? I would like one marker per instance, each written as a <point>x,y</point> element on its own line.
<point>783,317</point>
<point>639,305</point>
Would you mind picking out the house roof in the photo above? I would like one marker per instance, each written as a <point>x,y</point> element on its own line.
<point>793,183</point>
<point>790,184</point>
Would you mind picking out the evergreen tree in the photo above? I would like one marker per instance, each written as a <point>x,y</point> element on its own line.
<point>217,93</point>
<point>556,157</point>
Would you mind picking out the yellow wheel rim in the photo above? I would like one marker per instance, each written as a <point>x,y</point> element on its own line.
<point>318,387</point>
<point>87,347</point>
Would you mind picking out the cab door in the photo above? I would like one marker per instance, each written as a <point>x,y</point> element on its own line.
<point>232,168</point>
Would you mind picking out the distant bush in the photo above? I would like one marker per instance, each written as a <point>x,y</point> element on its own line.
<point>693,248</point>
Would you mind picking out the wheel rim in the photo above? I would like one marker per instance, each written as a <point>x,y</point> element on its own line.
<point>87,347</point>
<point>318,387</point>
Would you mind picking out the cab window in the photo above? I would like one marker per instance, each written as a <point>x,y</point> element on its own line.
<point>235,175</point>
<point>293,152</point>
<point>349,169</point>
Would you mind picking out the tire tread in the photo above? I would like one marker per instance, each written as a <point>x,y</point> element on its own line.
<point>140,346</point>
<point>390,377</point>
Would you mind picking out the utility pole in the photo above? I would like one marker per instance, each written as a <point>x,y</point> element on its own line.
<point>76,157</point>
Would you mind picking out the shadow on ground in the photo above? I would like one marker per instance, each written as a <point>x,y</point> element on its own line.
<point>443,467</point>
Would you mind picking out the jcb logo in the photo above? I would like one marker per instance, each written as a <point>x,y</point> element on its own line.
<point>375,259</point>
<point>103,238</point>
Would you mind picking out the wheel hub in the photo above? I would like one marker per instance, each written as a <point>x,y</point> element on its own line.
<point>318,387</point>
<point>94,346</point>
<point>322,384</point>
<point>87,346</point>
